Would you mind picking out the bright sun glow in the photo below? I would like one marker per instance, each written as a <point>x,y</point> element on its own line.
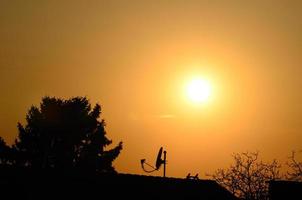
<point>198,90</point>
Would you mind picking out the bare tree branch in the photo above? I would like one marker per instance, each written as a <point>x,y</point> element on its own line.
<point>247,177</point>
<point>295,168</point>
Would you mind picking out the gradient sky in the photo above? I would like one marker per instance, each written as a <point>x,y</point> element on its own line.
<point>134,58</point>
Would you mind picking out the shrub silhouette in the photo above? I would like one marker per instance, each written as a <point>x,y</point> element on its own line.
<point>62,134</point>
<point>247,177</point>
<point>295,168</point>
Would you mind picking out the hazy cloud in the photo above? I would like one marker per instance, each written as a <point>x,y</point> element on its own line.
<point>167,116</point>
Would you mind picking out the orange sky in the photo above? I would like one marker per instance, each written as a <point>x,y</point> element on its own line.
<point>134,58</point>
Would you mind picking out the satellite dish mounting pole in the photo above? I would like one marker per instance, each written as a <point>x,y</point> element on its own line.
<point>158,163</point>
<point>165,163</point>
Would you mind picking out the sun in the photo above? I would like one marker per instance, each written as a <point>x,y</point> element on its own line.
<point>198,90</point>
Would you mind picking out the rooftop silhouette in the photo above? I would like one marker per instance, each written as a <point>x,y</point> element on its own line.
<point>33,184</point>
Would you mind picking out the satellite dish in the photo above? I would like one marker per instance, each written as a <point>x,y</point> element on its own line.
<point>159,161</point>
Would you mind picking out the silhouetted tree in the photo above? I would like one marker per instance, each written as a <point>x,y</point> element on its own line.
<point>64,134</point>
<point>295,168</point>
<point>247,177</point>
<point>5,153</point>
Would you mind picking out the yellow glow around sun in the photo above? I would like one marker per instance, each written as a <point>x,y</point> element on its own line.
<point>198,90</point>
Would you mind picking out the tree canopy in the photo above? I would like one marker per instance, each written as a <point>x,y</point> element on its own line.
<point>62,134</point>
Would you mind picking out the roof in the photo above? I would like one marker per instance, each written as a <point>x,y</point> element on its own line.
<point>285,190</point>
<point>52,185</point>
